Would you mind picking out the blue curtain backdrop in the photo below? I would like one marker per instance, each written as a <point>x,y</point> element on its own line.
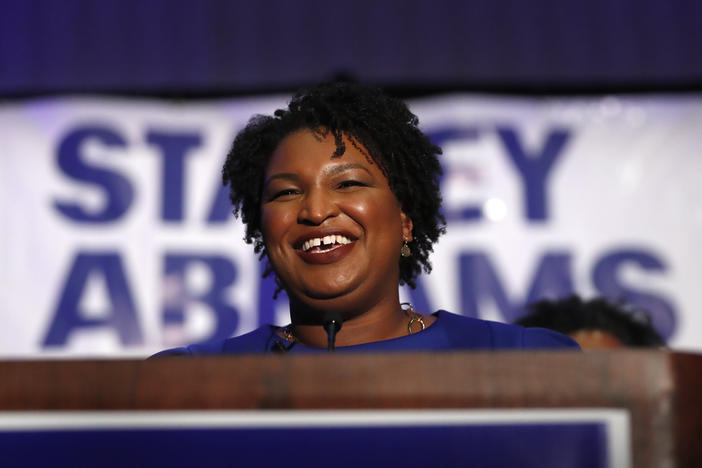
<point>156,46</point>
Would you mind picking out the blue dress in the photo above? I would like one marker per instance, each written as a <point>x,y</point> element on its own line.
<point>450,332</point>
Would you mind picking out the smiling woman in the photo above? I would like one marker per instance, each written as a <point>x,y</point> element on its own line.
<point>340,196</point>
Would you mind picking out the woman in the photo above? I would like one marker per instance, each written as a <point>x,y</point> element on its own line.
<point>340,195</point>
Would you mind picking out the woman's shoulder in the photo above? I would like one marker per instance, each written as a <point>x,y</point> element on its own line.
<point>256,342</point>
<point>488,334</point>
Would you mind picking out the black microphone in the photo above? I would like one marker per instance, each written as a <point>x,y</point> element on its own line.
<point>332,324</point>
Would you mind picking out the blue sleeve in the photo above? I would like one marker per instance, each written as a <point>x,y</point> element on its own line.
<point>504,336</point>
<point>192,350</point>
<point>542,338</point>
<point>172,352</point>
<point>255,342</point>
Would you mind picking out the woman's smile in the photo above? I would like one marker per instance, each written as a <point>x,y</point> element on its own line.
<point>325,244</point>
<point>321,248</point>
<point>322,255</point>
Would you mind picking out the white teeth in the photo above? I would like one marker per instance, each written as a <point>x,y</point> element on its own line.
<point>326,240</point>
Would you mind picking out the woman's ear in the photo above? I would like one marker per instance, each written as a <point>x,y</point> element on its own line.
<point>407,227</point>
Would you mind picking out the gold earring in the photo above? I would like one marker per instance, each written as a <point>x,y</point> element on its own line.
<point>405,250</point>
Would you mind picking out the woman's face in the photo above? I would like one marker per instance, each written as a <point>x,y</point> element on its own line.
<point>331,226</point>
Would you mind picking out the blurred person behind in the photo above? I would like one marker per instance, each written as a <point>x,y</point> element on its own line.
<point>594,324</point>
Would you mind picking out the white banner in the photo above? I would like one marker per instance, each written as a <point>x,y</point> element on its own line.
<point>117,238</point>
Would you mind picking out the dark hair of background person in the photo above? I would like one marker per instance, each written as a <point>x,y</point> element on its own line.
<point>631,327</point>
<point>380,126</point>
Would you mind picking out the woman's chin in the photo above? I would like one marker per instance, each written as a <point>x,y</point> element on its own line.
<point>326,293</point>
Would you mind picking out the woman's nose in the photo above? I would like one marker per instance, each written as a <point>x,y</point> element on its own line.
<point>317,206</point>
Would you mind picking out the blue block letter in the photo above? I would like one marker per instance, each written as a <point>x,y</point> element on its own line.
<point>479,281</point>
<point>174,147</point>
<point>221,209</point>
<point>535,167</point>
<point>439,136</point>
<point>606,278</point>
<point>223,274</point>
<point>118,190</point>
<point>122,316</point>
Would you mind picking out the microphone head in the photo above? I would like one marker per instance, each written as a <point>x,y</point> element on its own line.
<point>332,320</point>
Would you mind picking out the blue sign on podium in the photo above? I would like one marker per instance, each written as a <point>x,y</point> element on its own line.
<point>588,438</point>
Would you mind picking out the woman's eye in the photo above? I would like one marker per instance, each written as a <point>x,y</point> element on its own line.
<point>283,193</point>
<point>352,183</point>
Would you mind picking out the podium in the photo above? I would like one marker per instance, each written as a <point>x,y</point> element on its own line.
<point>655,396</point>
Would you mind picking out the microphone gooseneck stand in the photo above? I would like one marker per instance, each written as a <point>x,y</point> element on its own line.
<point>332,324</point>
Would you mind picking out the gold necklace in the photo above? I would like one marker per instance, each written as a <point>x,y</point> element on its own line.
<point>289,333</point>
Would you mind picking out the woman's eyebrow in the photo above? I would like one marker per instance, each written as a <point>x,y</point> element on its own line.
<point>339,168</point>
<point>328,171</point>
<point>281,175</point>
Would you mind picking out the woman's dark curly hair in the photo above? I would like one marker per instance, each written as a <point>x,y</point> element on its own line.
<point>380,126</point>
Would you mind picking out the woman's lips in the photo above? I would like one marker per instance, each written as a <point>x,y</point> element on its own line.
<point>318,256</point>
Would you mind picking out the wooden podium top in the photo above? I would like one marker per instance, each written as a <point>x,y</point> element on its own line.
<point>659,389</point>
